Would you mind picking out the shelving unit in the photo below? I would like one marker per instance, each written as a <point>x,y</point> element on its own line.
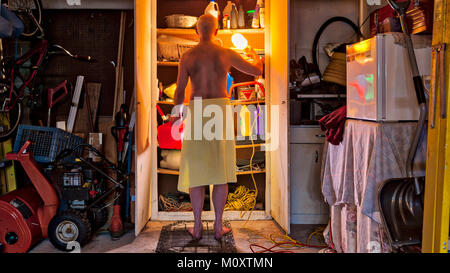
<point>166,72</point>
<point>273,185</point>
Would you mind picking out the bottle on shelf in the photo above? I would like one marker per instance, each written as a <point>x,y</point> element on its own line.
<point>213,9</point>
<point>255,21</point>
<point>262,19</point>
<point>234,17</point>
<point>241,19</point>
<point>226,13</point>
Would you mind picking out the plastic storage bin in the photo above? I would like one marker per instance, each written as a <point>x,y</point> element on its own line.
<point>47,142</point>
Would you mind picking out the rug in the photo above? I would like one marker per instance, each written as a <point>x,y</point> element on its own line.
<point>175,238</point>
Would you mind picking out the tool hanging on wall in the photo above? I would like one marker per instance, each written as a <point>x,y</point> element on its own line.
<point>55,92</point>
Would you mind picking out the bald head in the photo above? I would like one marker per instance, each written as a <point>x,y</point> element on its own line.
<point>207,26</point>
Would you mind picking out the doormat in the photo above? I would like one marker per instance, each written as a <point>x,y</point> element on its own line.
<point>175,238</point>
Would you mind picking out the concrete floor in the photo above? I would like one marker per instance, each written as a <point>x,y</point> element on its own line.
<point>147,241</point>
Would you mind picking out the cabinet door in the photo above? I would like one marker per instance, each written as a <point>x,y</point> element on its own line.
<point>307,205</point>
<point>277,73</point>
<point>145,16</point>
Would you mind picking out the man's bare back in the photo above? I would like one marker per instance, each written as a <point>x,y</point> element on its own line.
<point>207,66</point>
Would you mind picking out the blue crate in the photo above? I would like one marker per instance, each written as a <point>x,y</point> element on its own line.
<point>47,142</point>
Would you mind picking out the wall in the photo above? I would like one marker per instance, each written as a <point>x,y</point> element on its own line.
<point>306,18</point>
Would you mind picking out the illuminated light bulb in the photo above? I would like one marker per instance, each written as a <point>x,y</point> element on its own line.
<point>239,41</point>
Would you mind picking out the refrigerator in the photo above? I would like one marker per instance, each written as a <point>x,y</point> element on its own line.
<point>379,78</point>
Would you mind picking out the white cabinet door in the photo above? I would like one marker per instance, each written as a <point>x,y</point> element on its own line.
<point>307,204</point>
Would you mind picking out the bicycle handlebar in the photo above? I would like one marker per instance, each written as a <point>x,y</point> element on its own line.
<point>75,56</point>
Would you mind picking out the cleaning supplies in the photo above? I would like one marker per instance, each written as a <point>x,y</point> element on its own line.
<point>245,121</point>
<point>262,19</point>
<point>255,21</point>
<point>241,17</point>
<point>234,17</point>
<point>227,15</point>
<point>213,9</point>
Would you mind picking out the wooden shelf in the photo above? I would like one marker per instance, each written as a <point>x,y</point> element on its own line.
<point>191,31</point>
<point>249,146</point>
<point>174,172</point>
<point>247,102</point>
<point>161,63</point>
<point>234,102</point>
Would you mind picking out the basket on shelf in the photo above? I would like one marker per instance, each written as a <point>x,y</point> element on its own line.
<point>46,142</point>
<point>181,21</point>
<point>170,48</point>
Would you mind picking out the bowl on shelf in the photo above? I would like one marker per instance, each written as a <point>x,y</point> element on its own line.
<point>181,21</point>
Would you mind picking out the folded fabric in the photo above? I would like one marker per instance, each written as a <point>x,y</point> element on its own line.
<point>334,124</point>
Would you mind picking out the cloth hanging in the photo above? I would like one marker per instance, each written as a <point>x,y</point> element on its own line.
<point>334,124</point>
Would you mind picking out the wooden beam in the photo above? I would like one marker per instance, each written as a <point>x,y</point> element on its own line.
<point>119,68</point>
<point>82,120</point>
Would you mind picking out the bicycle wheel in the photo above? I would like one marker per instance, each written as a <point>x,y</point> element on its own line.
<point>30,12</point>
<point>10,120</point>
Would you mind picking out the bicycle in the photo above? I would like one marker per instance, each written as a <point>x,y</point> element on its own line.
<point>30,13</point>
<point>19,82</point>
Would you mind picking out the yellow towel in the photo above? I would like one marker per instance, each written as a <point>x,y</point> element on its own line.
<point>206,159</point>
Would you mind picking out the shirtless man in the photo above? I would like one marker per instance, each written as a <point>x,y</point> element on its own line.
<point>207,65</point>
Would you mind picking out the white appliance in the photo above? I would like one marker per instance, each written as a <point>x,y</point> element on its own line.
<point>379,78</point>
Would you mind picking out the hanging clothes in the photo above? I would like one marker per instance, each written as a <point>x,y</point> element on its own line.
<point>334,124</point>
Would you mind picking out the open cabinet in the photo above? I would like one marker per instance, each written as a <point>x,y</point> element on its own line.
<point>151,179</point>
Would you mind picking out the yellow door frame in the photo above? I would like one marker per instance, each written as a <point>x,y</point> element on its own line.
<point>437,182</point>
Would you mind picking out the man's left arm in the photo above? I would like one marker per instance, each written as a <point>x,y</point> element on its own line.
<point>182,81</point>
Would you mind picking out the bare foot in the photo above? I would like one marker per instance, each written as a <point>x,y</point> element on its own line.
<point>219,232</point>
<point>196,232</point>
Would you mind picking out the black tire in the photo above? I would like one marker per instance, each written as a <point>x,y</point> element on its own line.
<point>13,118</point>
<point>70,225</point>
<point>98,217</point>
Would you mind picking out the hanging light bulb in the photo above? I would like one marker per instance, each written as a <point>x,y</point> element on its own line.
<point>239,41</point>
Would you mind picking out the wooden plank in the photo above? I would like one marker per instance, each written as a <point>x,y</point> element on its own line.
<point>119,67</point>
<point>82,119</point>
<point>145,50</point>
<point>109,144</point>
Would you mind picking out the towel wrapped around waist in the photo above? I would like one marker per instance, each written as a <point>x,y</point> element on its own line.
<point>208,153</point>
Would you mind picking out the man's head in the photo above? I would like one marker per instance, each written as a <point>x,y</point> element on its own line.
<point>207,27</point>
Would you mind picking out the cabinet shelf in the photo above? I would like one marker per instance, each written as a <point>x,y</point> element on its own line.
<point>174,172</point>
<point>163,63</point>
<point>191,31</point>
<point>234,102</point>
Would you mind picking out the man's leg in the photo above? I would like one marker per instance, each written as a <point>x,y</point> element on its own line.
<point>219,196</point>
<point>197,200</point>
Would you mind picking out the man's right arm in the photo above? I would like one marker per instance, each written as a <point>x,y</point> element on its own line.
<point>254,68</point>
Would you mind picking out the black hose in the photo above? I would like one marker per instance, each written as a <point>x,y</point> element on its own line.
<point>321,30</point>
